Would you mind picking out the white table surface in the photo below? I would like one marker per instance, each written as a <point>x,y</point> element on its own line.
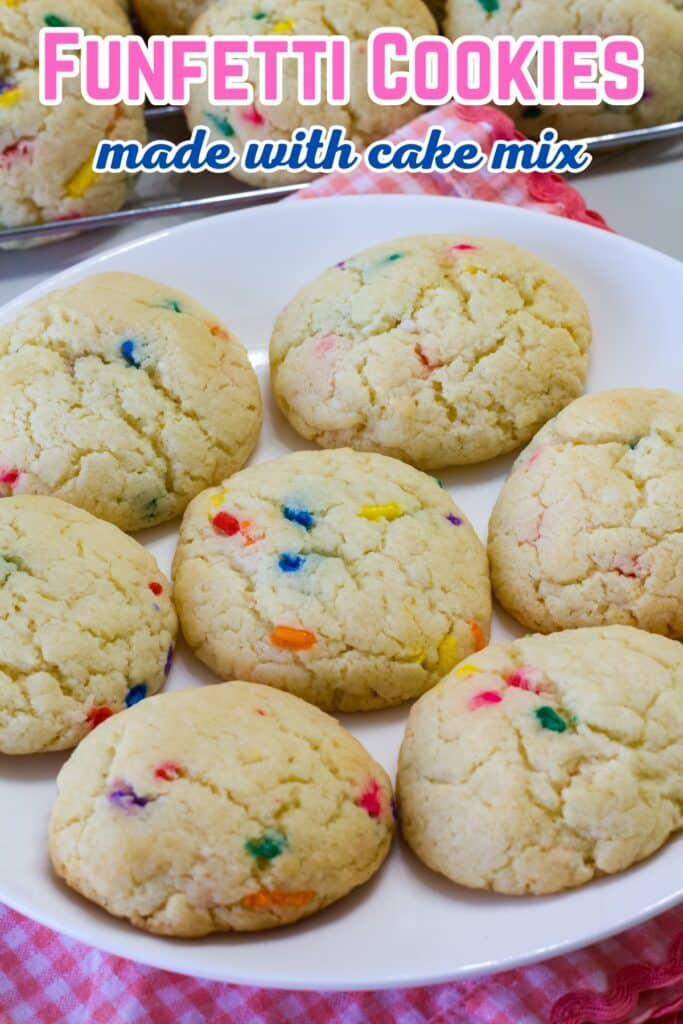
<point>639,192</point>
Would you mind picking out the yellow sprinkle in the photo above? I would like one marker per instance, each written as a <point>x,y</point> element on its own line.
<point>84,178</point>
<point>467,670</point>
<point>448,654</point>
<point>12,3</point>
<point>471,270</point>
<point>284,27</point>
<point>10,97</point>
<point>392,510</point>
<point>215,501</point>
<point>417,656</point>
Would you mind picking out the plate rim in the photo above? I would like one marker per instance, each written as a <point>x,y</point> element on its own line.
<point>115,941</point>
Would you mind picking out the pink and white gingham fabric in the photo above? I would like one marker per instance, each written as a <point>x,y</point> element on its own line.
<point>634,978</point>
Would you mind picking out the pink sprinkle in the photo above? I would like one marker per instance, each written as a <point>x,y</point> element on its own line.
<point>169,771</point>
<point>464,248</point>
<point>369,799</point>
<point>534,458</point>
<point>484,697</point>
<point>252,116</point>
<point>21,149</point>
<point>521,679</point>
<point>629,568</point>
<point>325,344</point>
<point>9,477</point>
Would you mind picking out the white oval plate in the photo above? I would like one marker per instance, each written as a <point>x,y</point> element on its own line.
<point>408,926</point>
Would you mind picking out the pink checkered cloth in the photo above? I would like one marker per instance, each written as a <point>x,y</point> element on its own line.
<point>634,978</point>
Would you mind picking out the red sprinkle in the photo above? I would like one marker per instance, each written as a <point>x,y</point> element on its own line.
<point>485,697</point>
<point>9,477</point>
<point>369,799</point>
<point>98,715</point>
<point>520,679</point>
<point>168,770</point>
<point>259,711</point>
<point>464,248</point>
<point>252,116</point>
<point>425,359</point>
<point>225,523</point>
<point>156,588</point>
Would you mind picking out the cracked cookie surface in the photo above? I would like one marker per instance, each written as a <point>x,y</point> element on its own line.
<point>436,349</point>
<point>86,624</point>
<point>363,120</point>
<point>125,397</point>
<point>349,579</point>
<point>657,23</point>
<point>588,528</point>
<point>227,808</point>
<point>539,765</point>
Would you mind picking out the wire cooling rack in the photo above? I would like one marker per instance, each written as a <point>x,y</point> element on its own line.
<point>162,116</point>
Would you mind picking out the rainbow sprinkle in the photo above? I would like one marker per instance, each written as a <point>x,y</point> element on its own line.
<point>96,716</point>
<point>84,178</point>
<point>9,95</point>
<point>128,351</point>
<point>292,639</point>
<point>265,898</point>
<point>392,510</point>
<point>284,27</point>
<point>252,116</point>
<point>369,799</point>
<point>392,257</point>
<point>300,516</point>
<point>464,247</point>
<point>136,694</point>
<point>455,520</point>
<point>54,21</point>
<point>483,698</point>
<point>466,669</point>
<point>168,771</point>
<point>490,6</point>
<point>521,680</point>
<point>267,847</point>
<point>477,636</point>
<point>226,523</point>
<point>156,588</point>
<point>169,660</point>
<point>173,305</point>
<point>9,477</point>
<point>221,124</point>
<point>448,653</point>
<point>550,719</point>
<point>259,16</point>
<point>123,795</point>
<point>290,563</point>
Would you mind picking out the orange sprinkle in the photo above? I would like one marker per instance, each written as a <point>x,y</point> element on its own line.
<point>265,898</point>
<point>292,639</point>
<point>219,332</point>
<point>477,636</point>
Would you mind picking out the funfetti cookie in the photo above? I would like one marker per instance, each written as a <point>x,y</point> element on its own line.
<point>46,153</point>
<point>125,397</point>
<point>86,624</point>
<point>227,808</point>
<point>658,24</point>
<point>437,349</point>
<point>539,765</point>
<point>363,120</point>
<point>588,529</point>
<point>349,579</point>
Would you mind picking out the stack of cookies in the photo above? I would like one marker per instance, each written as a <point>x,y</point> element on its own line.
<point>339,580</point>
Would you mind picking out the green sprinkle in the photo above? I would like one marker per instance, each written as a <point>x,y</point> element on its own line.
<point>268,846</point>
<point>54,21</point>
<point>392,257</point>
<point>173,305</point>
<point>550,719</point>
<point>490,6</point>
<point>8,565</point>
<point>221,124</point>
<point>151,508</point>
<point>634,444</point>
<point>259,16</point>
<point>529,113</point>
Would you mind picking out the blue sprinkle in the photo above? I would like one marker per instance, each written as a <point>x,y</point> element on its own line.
<point>169,661</point>
<point>136,694</point>
<point>126,796</point>
<point>299,516</point>
<point>290,563</point>
<point>128,353</point>
<point>156,607</point>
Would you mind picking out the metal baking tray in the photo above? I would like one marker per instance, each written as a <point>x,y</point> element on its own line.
<point>241,195</point>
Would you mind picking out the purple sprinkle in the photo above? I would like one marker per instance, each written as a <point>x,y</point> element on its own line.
<point>125,796</point>
<point>169,660</point>
<point>341,264</point>
<point>394,809</point>
<point>456,520</point>
<point>156,607</point>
